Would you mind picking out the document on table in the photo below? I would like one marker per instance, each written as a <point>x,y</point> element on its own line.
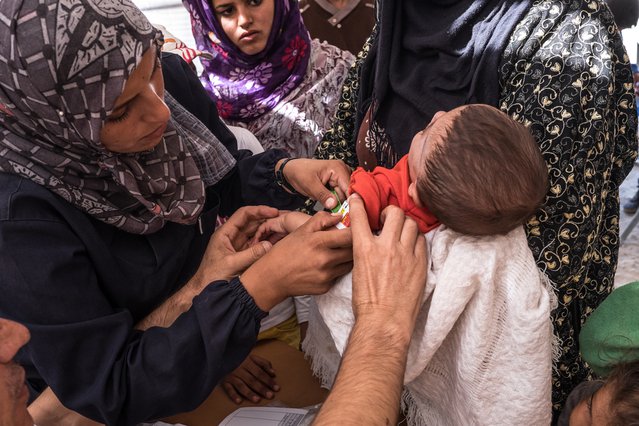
<point>265,416</point>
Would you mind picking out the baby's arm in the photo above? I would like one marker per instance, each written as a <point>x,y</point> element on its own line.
<point>277,228</point>
<point>293,220</point>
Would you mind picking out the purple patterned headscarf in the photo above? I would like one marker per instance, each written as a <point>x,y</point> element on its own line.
<point>63,63</point>
<point>248,86</point>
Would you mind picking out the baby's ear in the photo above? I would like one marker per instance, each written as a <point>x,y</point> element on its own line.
<point>412,193</point>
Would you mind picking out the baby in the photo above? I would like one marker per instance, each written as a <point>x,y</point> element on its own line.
<point>481,352</point>
<point>474,169</point>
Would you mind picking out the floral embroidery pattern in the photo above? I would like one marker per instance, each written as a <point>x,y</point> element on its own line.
<point>286,88</point>
<point>252,110</point>
<point>262,73</point>
<point>295,51</point>
<point>239,74</point>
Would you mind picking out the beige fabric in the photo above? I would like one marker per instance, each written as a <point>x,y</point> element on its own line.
<point>481,352</point>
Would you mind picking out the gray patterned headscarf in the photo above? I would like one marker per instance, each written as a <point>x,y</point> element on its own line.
<point>63,63</point>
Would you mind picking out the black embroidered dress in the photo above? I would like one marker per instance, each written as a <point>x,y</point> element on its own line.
<point>564,73</point>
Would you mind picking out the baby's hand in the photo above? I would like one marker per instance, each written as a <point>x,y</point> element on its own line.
<point>275,229</point>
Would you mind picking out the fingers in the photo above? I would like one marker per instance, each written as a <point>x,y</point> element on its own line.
<point>230,391</point>
<point>334,264</point>
<point>337,257</point>
<point>268,228</point>
<point>343,269</point>
<point>274,238</point>
<point>340,177</point>
<point>410,232</point>
<point>359,220</point>
<point>252,213</point>
<point>241,260</point>
<point>245,222</point>
<point>253,380</point>
<point>320,221</point>
<point>322,226</point>
<point>309,177</point>
<point>264,364</point>
<point>341,194</point>
<point>323,195</point>
<point>237,389</point>
<point>262,233</point>
<point>392,218</point>
<point>294,220</point>
<point>421,251</point>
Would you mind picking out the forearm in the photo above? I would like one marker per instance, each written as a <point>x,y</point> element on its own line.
<point>257,184</point>
<point>47,410</point>
<point>369,383</point>
<point>136,376</point>
<point>180,302</point>
<point>201,346</point>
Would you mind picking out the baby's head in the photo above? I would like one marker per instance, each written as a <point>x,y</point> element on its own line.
<point>477,170</point>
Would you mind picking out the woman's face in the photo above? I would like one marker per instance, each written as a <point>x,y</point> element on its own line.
<point>247,23</point>
<point>139,117</point>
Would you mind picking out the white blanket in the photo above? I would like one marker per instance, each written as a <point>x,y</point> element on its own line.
<point>481,352</point>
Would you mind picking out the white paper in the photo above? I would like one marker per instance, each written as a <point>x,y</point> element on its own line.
<point>265,416</point>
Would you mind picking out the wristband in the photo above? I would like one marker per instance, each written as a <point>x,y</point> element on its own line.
<point>280,179</point>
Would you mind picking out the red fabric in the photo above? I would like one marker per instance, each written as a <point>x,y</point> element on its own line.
<point>383,187</point>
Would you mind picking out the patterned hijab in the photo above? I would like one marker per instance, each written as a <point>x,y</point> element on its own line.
<point>63,63</point>
<point>434,55</point>
<point>248,86</point>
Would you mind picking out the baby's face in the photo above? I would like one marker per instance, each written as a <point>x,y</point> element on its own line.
<point>418,147</point>
<point>424,141</point>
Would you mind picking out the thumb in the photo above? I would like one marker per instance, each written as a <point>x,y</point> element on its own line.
<point>245,258</point>
<point>324,196</point>
<point>321,221</point>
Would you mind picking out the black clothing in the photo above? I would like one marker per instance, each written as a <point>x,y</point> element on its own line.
<point>81,285</point>
<point>252,181</point>
<point>583,116</point>
<point>434,56</point>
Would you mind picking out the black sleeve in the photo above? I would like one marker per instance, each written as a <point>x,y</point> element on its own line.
<point>252,181</point>
<point>86,348</point>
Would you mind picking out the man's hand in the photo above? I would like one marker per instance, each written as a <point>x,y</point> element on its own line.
<point>309,177</point>
<point>389,274</point>
<point>252,380</point>
<point>304,262</point>
<point>227,255</point>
